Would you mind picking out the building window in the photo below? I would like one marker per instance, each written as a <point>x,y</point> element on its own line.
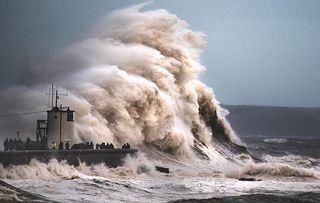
<point>69,116</point>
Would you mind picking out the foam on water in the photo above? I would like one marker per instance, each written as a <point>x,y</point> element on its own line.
<point>276,140</point>
<point>135,79</point>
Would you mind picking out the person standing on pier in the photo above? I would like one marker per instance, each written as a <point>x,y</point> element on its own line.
<point>54,145</point>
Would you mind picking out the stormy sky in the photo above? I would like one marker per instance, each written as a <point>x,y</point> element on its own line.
<point>257,52</point>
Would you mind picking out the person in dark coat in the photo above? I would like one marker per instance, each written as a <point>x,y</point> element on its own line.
<point>14,144</point>
<point>10,145</point>
<point>67,145</point>
<point>28,143</point>
<point>5,144</point>
<point>61,146</point>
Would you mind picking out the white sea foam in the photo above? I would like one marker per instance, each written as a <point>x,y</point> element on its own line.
<point>276,140</point>
<point>134,79</point>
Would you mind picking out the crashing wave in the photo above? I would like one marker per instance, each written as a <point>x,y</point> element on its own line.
<point>135,79</point>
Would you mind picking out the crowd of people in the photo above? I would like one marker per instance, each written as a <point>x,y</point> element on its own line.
<point>104,146</point>
<point>126,146</point>
<point>88,145</point>
<point>11,144</point>
<point>83,145</point>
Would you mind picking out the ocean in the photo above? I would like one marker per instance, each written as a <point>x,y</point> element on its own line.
<point>135,79</point>
<point>286,170</point>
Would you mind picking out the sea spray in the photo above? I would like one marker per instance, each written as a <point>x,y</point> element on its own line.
<point>134,79</point>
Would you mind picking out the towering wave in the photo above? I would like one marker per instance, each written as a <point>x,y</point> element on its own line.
<point>135,79</point>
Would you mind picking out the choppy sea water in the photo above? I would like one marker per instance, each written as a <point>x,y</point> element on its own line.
<point>286,170</point>
<point>134,79</point>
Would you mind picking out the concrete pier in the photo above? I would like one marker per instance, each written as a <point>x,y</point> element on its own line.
<point>111,157</point>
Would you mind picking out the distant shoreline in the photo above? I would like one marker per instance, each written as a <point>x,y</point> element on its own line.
<point>274,121</point>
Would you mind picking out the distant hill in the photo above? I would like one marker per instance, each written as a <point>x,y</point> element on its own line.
<point>274,121</point>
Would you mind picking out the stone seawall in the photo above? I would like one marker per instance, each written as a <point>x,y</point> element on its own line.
<point>111,157</point>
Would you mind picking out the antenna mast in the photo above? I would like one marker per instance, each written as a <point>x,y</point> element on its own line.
<point>57,97</point>
<point>54,94</point>
<point>51,93</point>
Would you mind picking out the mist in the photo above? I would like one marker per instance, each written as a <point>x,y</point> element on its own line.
<point>133,79</point>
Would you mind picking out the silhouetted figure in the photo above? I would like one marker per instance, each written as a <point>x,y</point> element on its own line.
<point>14,144</point>
<point>61,146</point>
<point>28,143</point>
<point>111,146</point>
<point>10,145</point>
<point>67,145</point>
<point>91,145</point>
<point>97,146</point>
<point>103,145</point>
<point>126,146</point>
<point>5,144</point>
